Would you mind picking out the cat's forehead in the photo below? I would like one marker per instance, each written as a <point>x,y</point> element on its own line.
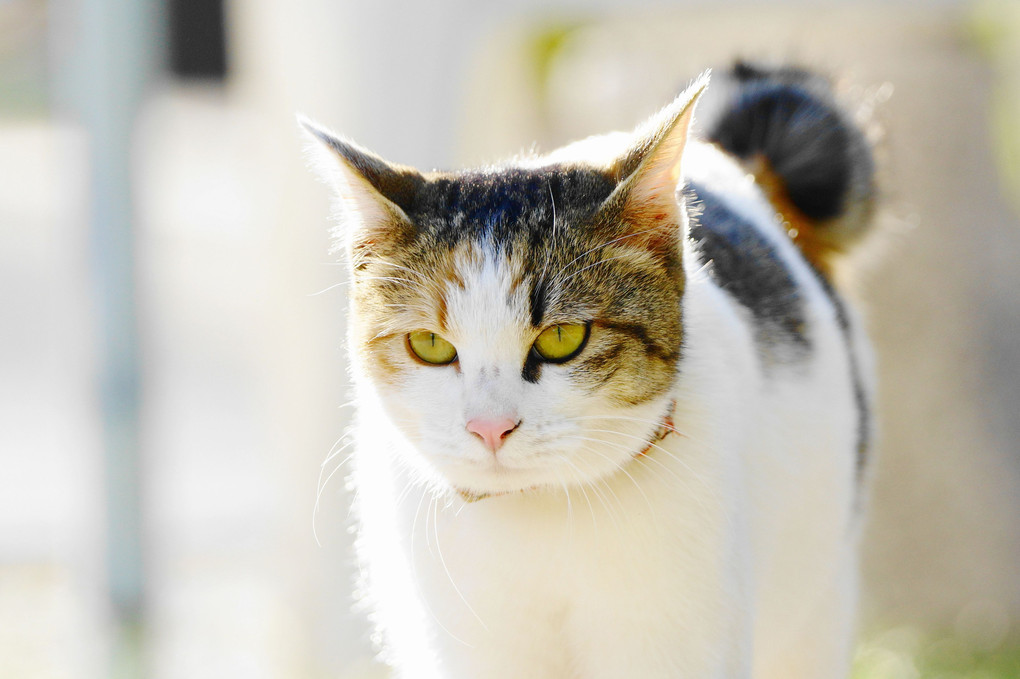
<point>488,297</point>
<point>503,205</point>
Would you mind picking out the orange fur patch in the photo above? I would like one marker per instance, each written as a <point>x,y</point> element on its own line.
<point>802,230</point>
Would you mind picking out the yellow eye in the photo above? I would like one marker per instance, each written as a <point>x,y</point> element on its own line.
<point>559,343</point>
<point>431,348</point>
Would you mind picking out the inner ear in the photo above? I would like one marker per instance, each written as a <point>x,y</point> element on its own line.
<point>646,200</point>
<point>373,195</point>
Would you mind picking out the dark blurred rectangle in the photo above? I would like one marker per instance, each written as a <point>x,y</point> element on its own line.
<point>197,39</point>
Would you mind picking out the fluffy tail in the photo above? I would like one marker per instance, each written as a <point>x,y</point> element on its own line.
<point>814,163</point>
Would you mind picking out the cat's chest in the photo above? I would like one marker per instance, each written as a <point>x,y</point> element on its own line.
<point>550,547</point>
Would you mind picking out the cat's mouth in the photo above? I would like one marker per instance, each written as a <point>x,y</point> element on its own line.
<point>665,428</point>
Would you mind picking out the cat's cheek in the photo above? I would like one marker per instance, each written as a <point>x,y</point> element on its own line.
<point>640,373</point>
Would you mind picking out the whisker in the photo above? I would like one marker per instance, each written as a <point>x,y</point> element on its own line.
<point>425,289</point>
<point>383,262</point>
<point>391,279</point>
<point>580,484</point>
<point>697,497</point>
<point>657,447</point>
<point>680,479</point>
<point>414,568</point>
<point>328,288</point>
<point>598,495</point>
<point>414,532</point>
<point>552,239</point>
<point>318,494</point>
<point>598,263</point>
<point>603,245</point>
<point>594,485</point>
<point>570,508</point>
<point>449,576</point>
<point>622,469</point>
<point>334,451</point>
<point>604,482</point>
<point>333,447</point>
<point>657,423</point>
<point>408,487</point>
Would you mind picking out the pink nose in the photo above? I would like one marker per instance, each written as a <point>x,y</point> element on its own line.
<point>492,431</point>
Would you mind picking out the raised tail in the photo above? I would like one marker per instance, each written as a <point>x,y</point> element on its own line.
<point>810,158</point>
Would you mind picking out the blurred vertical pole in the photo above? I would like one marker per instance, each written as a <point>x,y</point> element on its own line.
<point>105,53</point>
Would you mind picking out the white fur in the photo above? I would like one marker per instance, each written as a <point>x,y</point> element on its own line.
<point>727,552</point>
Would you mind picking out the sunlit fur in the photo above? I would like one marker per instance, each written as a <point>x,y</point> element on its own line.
<point>586,547</point>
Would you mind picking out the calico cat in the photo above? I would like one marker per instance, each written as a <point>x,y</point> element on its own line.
<point>613,416</point>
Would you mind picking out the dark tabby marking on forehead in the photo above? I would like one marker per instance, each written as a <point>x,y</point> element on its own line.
<point>537,299</point>
<point>749,268</point>
<point>504,206</point>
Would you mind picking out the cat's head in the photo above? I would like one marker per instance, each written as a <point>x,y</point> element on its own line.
<point>521,324</point>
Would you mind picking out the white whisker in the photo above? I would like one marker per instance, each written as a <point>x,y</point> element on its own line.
<point>552,239</point>
<point>657,423</point>
<point>414,568</point>
<point>321,486</point>
<point>449,576</point>
<point>580,484</point>
<point>327,289</point>
<point>603,245</point>
<point>622,469</point>
<point>656,446</point>
<point>594,264</point>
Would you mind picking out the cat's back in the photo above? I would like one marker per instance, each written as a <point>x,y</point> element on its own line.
<point>780,187</point>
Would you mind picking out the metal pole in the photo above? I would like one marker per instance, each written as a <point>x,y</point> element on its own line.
<point>106,51</point>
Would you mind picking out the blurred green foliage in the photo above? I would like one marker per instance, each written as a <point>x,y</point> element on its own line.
<point>546,43</point>
<point>905,654</point>
<point>994,28</point>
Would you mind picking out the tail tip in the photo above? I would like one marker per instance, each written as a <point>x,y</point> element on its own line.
<point>787,120</point>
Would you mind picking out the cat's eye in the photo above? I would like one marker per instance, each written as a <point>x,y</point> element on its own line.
<point>431,348</point>
<point>559,343</point>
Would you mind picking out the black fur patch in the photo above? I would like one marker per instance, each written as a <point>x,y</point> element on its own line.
<point>538,301</point>
<point>787,116</point>
<point>532,369</point>
<point>860,397</point>
<point>748,267</point>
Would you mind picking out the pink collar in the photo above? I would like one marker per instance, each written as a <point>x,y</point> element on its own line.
<point>664,430</point>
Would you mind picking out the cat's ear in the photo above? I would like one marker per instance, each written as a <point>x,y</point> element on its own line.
<point>372,193</point>
<point>645,200</point>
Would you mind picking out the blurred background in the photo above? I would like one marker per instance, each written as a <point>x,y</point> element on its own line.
<point>171,323</point>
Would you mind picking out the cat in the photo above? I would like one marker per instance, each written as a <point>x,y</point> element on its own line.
<point>613,417</point>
